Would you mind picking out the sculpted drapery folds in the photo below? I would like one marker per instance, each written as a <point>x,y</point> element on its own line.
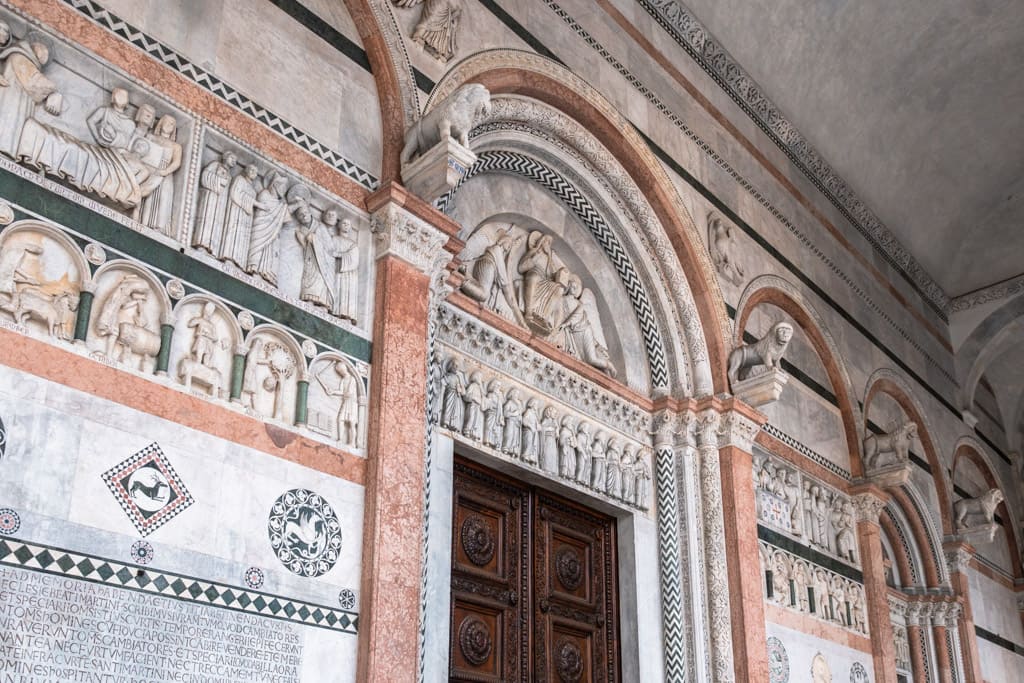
<point>530,285</point>
<point>271,210</point>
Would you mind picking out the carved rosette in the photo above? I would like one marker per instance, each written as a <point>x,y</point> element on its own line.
<point>477,540</point>
<point>868,507</point>
<point>475,640</point>
<point>568,661</point>
<point>411,239</point>
<point>569,568</point>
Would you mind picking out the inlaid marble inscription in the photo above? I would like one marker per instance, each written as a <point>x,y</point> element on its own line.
<point>55,628</point>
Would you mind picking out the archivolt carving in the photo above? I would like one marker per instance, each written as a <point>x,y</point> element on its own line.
<point>572,132</point>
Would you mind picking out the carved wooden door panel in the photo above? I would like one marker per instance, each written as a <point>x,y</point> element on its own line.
<point>575,624</point>
<point>490,589</point>
<point>533,585</point>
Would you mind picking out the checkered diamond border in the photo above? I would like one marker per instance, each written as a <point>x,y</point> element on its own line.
<point>60,562</point>
<point>214,85</point>
<point>148,523</point>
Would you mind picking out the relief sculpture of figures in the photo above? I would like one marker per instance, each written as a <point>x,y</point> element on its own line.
<point>318,253</point>
<point>613,478</point>
<point>123,323</point>
<point>213,201</point>
<point>530,285</point>
<point>271,210</point>
<point>494,418</point>
<point>643,483</point>
<point>241,203</point>
<point>844,521</point>
<point>628,472</point>
<point>549,441</point>
<point>583,463</point>
<point>127,164</point>
<point>251,374</point>
<point>762,356</point>
<point>452,407</point>
<point>26,294</point>
<point>598,475</point>
<point>199,365</point>
<point>344,387</point>
<point>511,441</point>
<point>346,302</point>
<point>437,28</point>
<point>531,431</point>
<point>567,448</point>
<point>473,425</point>
<point>722,246</point>
<point>161,156</point>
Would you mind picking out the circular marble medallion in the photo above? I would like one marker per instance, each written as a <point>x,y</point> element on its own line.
<point>254,577</point>
<point>142,552</point>
<point>778,661</point>
<point>347,599</point>
<point>858,674</point>
<point>304,532</point>
<point>10,521</point>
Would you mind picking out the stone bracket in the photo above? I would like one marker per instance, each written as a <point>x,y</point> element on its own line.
<point>761,389</point>
<point>438,169</point>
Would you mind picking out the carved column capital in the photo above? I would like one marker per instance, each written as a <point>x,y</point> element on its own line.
<point>958,557</point>
<point>706,428</point>
<point>954,610</point>
<point>868,507</point>
<point>401,234</point>
<point>915,613</point>
<point>738,430</point>
<point>664,429</point>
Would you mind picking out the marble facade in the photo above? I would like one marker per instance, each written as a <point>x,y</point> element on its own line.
<point>250,364</point>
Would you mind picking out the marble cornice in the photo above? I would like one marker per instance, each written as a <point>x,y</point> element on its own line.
<point>697,41</point>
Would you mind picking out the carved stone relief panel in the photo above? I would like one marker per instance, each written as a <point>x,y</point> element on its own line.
<point>128,311</point>
<point>281,233</point>
<point>518,274</point>
<point>117,143</point>
<point>805,508</point>
<point>798,584</point>
<point>337,399</point>
<point>42,273</point>
<point>437,27</point>
<point>206,338</point>
<point>274,364</point>
<point>497,414</point>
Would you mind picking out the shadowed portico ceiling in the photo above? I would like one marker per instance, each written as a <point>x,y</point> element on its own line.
<point>917,105</point>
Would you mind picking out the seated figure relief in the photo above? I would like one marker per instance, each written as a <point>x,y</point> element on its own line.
<point>520,277</point>
<point>132,159</point>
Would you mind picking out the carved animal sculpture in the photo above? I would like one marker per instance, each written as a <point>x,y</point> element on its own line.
<point>139,341</point>
<point>896,443</point>
<point>453,118</point>
<point>192,371</point>
<point>54,311</point>
<point>766,352</point>
<point>152,491</point>
<point>983,506</point>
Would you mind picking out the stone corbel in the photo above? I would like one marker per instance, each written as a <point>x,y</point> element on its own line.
<point>762,389</point>
<point>399,233</point>
<point>438,169</point>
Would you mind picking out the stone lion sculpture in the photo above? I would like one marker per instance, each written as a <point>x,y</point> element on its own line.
<point>766,352</point>
<point>983,506</point>
<point>452,118</point>
<point>891,448</point>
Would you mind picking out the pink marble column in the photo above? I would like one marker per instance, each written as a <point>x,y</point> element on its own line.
<point>869,501</point>
<point>959,556</point>
<point>408,251</point>
<point>750,654</point>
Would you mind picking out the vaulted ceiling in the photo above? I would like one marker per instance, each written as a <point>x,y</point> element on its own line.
<point>917,104</point>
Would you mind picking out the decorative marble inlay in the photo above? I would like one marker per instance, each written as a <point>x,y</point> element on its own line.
<point>778,661</point>
<point>304,532</point>
<point>148,489</point>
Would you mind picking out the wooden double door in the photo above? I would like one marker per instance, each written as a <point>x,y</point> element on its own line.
<point>534,589</point>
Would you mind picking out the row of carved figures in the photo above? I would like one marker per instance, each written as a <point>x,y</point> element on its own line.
<point>795,583</point>
<point>131,162</point>
<point>124,315</point>
<point>240,215</point>
<point>803,507</point>
<point>523,427</point>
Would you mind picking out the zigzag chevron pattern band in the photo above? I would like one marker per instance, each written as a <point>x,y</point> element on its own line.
<point>527,167</point>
